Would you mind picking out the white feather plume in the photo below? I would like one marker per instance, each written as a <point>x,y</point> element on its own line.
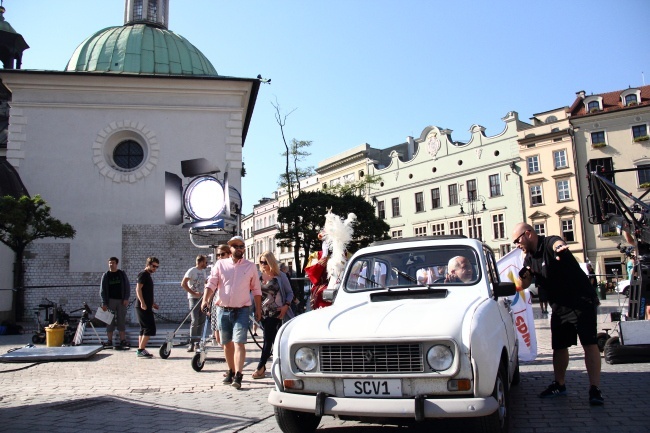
<point>337,235</point>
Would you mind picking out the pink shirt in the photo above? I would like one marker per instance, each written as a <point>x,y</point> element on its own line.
<point>234,282</point>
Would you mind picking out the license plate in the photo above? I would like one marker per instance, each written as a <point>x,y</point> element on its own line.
<point>372,388</point>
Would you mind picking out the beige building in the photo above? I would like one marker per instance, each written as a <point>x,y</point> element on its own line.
<point>611,132</point>
<point>551,186</point>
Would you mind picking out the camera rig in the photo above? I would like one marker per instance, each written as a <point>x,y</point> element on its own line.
<point>608,203</point>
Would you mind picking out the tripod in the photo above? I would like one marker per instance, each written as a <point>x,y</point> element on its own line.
<point>81,327</point>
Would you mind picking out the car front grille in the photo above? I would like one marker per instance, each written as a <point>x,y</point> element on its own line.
<point>371,358</point>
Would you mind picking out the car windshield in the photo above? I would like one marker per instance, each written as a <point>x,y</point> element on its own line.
<point>430,266</point>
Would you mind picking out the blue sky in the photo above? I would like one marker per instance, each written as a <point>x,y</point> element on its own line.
<point>377,71</point>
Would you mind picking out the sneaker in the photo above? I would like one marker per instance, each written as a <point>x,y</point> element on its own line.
<point>109,343</point>
<point>236,383</point>
<point>190,348</point>
<point>553,390</point>
<point>125,344</point>
<point>228,379</point>
<point>143,354</point>
<point>595,396</point>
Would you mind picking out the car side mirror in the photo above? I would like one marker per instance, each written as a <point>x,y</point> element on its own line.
<point>329,294</point>
<point>505,289</point>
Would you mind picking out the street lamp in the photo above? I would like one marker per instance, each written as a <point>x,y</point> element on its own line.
<point>472,203</point>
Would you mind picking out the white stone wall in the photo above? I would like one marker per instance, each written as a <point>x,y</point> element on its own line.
<point>47,265</point>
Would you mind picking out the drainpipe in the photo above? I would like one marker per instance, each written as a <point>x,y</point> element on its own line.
<point>517,170</point>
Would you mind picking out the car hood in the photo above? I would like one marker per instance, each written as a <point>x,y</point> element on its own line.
<point>398,318</point>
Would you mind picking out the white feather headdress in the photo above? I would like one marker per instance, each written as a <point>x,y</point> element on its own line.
<point>337,235</point>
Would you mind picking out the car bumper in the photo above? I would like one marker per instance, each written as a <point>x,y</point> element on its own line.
<point>390,407</point>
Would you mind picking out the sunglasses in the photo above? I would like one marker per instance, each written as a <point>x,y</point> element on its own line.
<point>223,254</point>
<point>264,262</point>
<point>239,246</point>
<point>155,266</point>
<point>516,241</point>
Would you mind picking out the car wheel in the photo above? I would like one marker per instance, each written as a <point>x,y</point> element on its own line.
<point>626,291</point>
<point>291,421</point>
<point>516,378</point>
<point>499,421</point>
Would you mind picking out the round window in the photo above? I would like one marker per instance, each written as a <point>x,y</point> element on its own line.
<point>128,155</point>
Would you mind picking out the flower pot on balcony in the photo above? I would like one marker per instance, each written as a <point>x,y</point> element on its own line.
<point>598,145</point>
<point>642,138</point>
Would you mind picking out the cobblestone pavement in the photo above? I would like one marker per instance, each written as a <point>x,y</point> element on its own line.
<point>114,391</point>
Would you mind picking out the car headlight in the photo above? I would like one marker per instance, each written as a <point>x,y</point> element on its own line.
<point>440,357</point>
<point>305,358</point>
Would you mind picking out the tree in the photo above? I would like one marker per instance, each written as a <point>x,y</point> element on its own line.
<point>309,210</point>
<point>22,221</point>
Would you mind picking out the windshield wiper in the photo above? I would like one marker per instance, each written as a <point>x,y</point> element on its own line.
<point>405,275</point>
<point>374,283</point>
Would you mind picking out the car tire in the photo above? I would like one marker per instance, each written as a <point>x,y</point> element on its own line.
<point>291,421</point>
<point>516,378</point>
<point>499,421</point>
<point>626,291</point>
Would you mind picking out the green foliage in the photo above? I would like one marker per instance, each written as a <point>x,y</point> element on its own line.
<point>354,188</point>
<point>303,219</point>
<point>294,154</point>
<point>26,219</point>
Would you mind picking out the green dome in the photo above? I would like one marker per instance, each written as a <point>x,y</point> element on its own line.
<point>139,49</point>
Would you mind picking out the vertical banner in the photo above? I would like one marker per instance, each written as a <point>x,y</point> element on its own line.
<point>522,305</point>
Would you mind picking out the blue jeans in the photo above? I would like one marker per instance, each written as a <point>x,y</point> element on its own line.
<point>198,319</point>
<point>233,325</point>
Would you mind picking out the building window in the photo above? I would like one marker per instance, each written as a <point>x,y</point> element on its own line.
<point>598,138</point>
<point>540,229</point>
<point>563,191</point>
<point>567,231</point>
<point>559,157</point>
<point>475,232</point>
<point>453,194</point>
<point>498,226</point>
<point>456,227</point>
<point>348,178</point>
<point>396,234</point>
<point>395,205</point>
<point>630,99</point>
<point>640,132</point>
<point>608,227</point>
<point>137,9</point>
<point>495,185</point>
<point>419,202</point>
<point>420,231</point>
<point>435,198</point>
<point>504,249</point>
<point>536,195</point>
<point>128,155</point>
<point>593,105</point>
<point>335,182</point>
<point>643,173</point>
<point>438,229</point>
<point>381,210</point>
<point>151,12</point>
<point>471,190</point>
<point>533,164</point>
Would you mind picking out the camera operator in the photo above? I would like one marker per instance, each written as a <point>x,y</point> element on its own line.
<point>573,304</point>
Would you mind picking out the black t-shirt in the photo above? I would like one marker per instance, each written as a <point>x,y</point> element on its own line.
<point>114,280</point>
<point>145,279</point>
<point>565,282</point>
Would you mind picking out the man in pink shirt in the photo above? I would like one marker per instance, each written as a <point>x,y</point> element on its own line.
<point>235,278</point>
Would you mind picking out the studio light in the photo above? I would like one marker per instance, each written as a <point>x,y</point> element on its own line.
<point>204,198</point>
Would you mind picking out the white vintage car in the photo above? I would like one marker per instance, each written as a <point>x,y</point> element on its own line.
<point>391,347</point>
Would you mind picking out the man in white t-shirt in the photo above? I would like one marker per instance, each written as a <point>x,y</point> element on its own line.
<point>193,283</point>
